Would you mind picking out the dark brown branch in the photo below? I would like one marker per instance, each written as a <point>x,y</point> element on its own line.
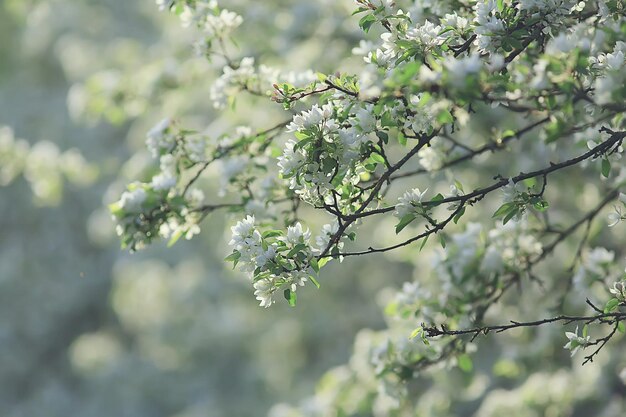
<point>435,331</point>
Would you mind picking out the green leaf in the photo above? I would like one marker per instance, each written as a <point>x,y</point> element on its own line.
<point>377,158</point>
<point>424,243</point>
<point>408,72</point>
<point>620,327</point>
<point>442,241</point>
<point>507,134</point>
<point>323,262</point>
<point>555,130</point>
<point>290,296</point>
<point>446,30</point>
<point>436,199</point>
<point>404,222</point>
<point>416,332</point>
<point>445,117</point>
<point>301,135</point>
<point>234,258</point>
<point>177,235</point>
<point>606,168</point>
<point>504,209</point>
<point>530,182</point>
<point>401,139</point>
<point>585,330</point>
<point>314,281</point>
<point>366,22</point>
<point>116,209</point>
<point>611,305</point>
<point>465,363</point>
<point>370,167</point>
<point>500,5</point>
<point>272,233</point>
<point>314,265</point>
<point>386,120</point>
<point>510,215</point>
<point>296,249</point>
<point>459,215</point>
<point>541,205</point>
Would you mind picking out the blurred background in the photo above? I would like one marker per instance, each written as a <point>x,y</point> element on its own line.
<point>89,330</point>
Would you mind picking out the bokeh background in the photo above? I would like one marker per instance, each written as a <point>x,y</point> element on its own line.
<point>89,330</point>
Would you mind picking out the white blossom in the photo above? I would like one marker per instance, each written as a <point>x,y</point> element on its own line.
<point>619,290</point>
<point>427,34</point>
<point>408,202</point>
<point>614,218</point>
<point>232,80</point>
<point>328,231</point>
<point>432,157</point>
<point>460,68</point>
<point>163,181</point>
<point>297,234</point>
<point>575,341</point>
<point>222,24</point>
<point>157,139</point>
<point>312,117</point>
<point>131,201</point>
<point>264,292</point>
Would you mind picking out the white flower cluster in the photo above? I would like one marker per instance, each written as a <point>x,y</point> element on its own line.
<point>132,200</point>
<point>326,235</point>
<point>511,191</point>
<point>168,177</point>
<point>208,17</point>
<point>43,165</point>
<point>618,214</point>
<point>159,139</point>
<point>552,12</point>
<point>260,80</point>
<point>454,20</point>
<point>488,27</point>
<point>575,342</point>
<point>409,203</point>
<point>613,75</point>
<point>461,257</point>
<point>187,223</point>
<point>320,117</point>
<point>427,35</point>
<point>595,264</point>
<point>511,247</point>
<point>271,75</point>
<point>422,118</point>
<point>265,260</point>
<point>222,24</point>
<point>247,240</point>
<point>323,239</point>
<point>433,156</point>
<point>157,209</point>
<point>310,174</point>
<point>165,143</point>
<point>13,153</point>
<point>232,80</point>
<point>619,291</point>
<point>460,68</point>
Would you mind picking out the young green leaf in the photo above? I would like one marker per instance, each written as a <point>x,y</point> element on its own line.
<point>404,222</point>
